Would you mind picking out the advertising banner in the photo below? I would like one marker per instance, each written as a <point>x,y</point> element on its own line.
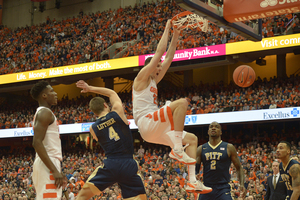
<point>70,70</point>
<point>265,44</point>
<point>200,119</point>
<point>244,10</point>
<point>188,54</point>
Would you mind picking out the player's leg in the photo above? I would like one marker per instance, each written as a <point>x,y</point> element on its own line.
<point>179,108</point>
<point>139,197</point>
<point>86,192</point>
<point>130,181</point>
<point>44,181</point>
<point>193,184</point>
<point>99,180</point>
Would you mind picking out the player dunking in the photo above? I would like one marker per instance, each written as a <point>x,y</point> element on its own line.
<point>112,131</point>
<point>47,177</point>
<point>165,125</point>
<point>289,170</point>
<point>216,157</point>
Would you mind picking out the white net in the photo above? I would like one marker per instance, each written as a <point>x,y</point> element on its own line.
<point>191,21</point>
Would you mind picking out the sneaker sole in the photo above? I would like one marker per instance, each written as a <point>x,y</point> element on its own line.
<point>199,191</point>
<point>192,163</point>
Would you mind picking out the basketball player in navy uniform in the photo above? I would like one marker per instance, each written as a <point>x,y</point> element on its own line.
<point>112,131</point>
<point>289,170</point>
<point>216,157</point>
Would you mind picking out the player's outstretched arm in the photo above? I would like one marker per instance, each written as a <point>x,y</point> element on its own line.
<point>42,120</point>
<point>114,98</point>
<point>198,159</point>
<point>169,56</point>
<point>295,174</point>
<point>144,74</point>
<point>240,172</point>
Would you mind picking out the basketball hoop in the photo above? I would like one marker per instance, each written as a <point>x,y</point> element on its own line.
<point>187,19</point>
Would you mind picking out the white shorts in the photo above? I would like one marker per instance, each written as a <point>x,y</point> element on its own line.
<point>154,126</point>
<point>44,181</point>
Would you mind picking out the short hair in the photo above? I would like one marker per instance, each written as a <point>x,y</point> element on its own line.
<point>276,161</point>
<point>97,105</point>
<point>37,89</point>
<point>289,146</point>
<point>147,61</point>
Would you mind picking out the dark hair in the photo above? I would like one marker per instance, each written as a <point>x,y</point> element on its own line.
<point>38,88</point>
<point>97,105</point>
<point>147,61</point>
<point>289,146</point>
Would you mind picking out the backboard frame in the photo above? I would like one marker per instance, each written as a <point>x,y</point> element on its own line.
<point>216,16</point>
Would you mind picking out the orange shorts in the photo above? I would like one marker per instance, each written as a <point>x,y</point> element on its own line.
<point>154,126</point>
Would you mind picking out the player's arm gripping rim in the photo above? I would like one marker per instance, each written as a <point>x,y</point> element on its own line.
<point>42,120</point>
<point>236,162</point>
<point>145,73</point>
<point>169,55</point>
<point>295,174</point>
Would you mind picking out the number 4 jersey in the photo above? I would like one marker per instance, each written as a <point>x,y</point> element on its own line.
<point>284,173</point>
<point>114,135</point>
<point>216,163</point>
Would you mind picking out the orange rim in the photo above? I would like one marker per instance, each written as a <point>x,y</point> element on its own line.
<point>181,15</point>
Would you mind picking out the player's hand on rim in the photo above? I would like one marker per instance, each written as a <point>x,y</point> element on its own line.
<point>83,85</point>
<point>59,179</point>
<point>169,24</point>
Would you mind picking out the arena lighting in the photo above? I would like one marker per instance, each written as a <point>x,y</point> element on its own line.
<point>261,62</point>
<point>57,4</point>
<point>42,6</point>
<point>296,51</point>
<point>290,113</point>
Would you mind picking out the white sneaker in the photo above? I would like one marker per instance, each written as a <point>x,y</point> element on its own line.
<point>181,156</point>
<point>197,187</point>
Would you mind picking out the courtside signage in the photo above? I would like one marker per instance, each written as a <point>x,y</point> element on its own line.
<point>70,70</point>
<point>244,116</point>
<point>200,119</point>
<point>265,44</point>
<point>188,54</point>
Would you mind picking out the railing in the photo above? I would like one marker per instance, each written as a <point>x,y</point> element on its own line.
<point>174,78</point>
<point>127,87</point>
<point>125,47</point>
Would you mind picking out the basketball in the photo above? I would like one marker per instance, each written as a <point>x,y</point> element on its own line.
<point>244,76</point>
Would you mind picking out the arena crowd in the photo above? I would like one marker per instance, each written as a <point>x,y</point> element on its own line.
<point>84,38</point>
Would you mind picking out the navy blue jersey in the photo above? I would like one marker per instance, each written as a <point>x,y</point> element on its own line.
<point>114,135</point>
<point>216,163</point>
<point>284,173</point>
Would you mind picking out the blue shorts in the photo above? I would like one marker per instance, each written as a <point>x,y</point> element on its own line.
<point>123,171</point>
<point>219,192</point>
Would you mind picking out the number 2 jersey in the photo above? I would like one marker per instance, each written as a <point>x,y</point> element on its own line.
<point>145,101</point>
<point>114,136</point>
<point>286,177</point>
<point>216,163</point>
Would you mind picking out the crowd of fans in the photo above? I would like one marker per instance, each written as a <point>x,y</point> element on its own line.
<point>82,38</point>
<point>18,112</point>
<point>164,178</point>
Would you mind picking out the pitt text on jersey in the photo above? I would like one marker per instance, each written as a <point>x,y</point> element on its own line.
<point>213,155</point>
<point>106,124</point>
